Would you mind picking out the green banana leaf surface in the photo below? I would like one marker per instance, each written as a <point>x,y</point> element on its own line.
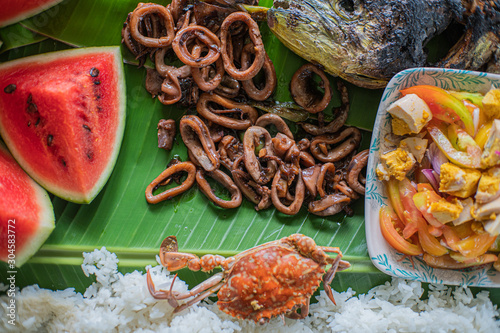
<point>120,218</point>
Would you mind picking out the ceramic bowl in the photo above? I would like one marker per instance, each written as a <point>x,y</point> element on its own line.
<point>383,256</point>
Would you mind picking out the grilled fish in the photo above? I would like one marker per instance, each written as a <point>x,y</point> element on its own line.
<point>366,42</point>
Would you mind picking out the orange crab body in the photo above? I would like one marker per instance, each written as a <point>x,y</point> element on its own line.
<point>269,280</point>
<point>272,279</point>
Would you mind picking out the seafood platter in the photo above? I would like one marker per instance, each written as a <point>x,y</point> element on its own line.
<point>268,150</point>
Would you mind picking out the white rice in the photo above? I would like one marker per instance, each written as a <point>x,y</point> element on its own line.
<point>122,303</point>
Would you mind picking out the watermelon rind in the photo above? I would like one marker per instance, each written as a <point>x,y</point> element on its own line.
<point>27,14</point>
<point>46,222</point>
<point>74,196</point>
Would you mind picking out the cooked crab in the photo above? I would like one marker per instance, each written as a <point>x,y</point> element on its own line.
<point>272,279</point>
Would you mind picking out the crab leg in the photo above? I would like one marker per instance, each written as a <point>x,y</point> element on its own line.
<point>304,311</point>
<point>201,291</point>
<point>200,297</point>
<point>337,265</point>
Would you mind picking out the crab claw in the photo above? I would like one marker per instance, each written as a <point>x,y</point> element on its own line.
<point>173,260</point>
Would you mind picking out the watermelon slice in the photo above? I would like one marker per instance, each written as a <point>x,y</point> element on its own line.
<point>26,214</point>
<point>17,10</point>
<point>62,116</point>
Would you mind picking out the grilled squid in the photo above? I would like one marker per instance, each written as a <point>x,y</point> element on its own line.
<point>225,181</point>
<point>258,94</point>
<point>277,121</point>
<point>329,205</point>
<point>260,195</point>
<point>198,141</point>
<point>139,15</point>
<point>357,164</point>
<point>206,108</point>
<point>164,179</point>
<point>255,37</point>
<point>303,92</point>
<point>258,137</point>
<point>349,140</point>
<point>204,38</point>
<point>340,113</point>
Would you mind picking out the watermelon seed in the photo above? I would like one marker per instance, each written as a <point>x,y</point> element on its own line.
<point>37,122</point>
<point>50,137</point>
<point>97,83</point>
<point>90,156</point>
<point>94,72</point>
<point>87,128</point>
<point>32,108</point>
<point>63,162</point>
<point>10,89</point>
<point>29,123</point>
<point>30,99</point>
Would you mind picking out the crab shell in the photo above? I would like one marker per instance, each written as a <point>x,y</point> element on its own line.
<point>269,280</point>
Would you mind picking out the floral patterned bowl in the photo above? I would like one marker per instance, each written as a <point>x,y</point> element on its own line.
<point>383,256</point>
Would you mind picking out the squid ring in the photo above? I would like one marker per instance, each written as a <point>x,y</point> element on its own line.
<point>249,86</point>
<point>329,205</point>
<point>145,9</point>
<point>256,39</point>
<point>357,164</point>
<point>228,87</point>
<point>340,113</point>
<point>319,145</point>
<point>225,181</point>
<point>172,192</point>
<point>201,76</point>
<point>198,141</point>
<point>256,193</point>
<point>183,36</point>
<point>303,93</point>
<point>248,113</point>
<point>251,139</point>
<point>270,118</point>
<point>294,207</point>
<point>229,150</point>
<point>325,168</point>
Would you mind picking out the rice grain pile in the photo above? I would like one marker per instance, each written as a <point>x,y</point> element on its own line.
<point>122,303</point>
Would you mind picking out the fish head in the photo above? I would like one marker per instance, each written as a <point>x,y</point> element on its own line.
<point>364,42</point>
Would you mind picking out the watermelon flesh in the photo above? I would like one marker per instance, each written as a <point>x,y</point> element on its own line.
<point>17,10</point>
<point>26,214</point>
<point>62,116</point>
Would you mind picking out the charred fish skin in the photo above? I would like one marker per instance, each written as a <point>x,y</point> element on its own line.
<point>364,42</point>
<point>480,44</point>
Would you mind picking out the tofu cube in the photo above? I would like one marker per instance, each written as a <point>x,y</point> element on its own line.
<point>409,115</point>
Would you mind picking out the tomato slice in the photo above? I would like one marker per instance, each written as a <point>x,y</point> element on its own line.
<point>410,212</point>
<point>390,225</point>
<point>475,245</point>
<point>422,201</point>
<point>443,105</point>
<point>396,204</point>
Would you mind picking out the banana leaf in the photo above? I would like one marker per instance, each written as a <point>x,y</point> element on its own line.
<point>120,218</point>
<point>16,35</point>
